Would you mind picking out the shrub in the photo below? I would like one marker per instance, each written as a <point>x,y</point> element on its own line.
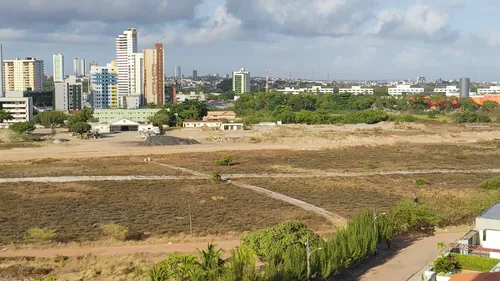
<point>403,118</point>
<point>369,165</point>
<point>461,156</point>
<point>491,184</point>
<point>408,215</point>
<point>46,279</point>
<point>472,117</point>
<point>475,263</point>
<point>366,116</point>
<point>114,231</point>
<point>216,177</point>
<point>39,235</point>
<point>224,161</point>
<point>445,265</point>
<point>80,127</point>
<point>22,128</point>
<point>422,182</point>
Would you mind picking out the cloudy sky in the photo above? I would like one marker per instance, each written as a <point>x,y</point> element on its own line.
<point>347,39</point>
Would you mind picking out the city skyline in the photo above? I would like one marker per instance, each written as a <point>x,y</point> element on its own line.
<point>366,40</point>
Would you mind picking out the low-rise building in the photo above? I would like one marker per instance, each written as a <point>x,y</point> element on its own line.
<point>182,97</point>
<point>357,90</point>
<point>138,115</point>
<point>485,238</point>
<point>313,89</point>
<point>220,116</point>
<point>489,91</point>
<point>405,89</point>
<point>449,91</point>
<point>123,125</point>
<point>223,126</point>
<point>19,107</point>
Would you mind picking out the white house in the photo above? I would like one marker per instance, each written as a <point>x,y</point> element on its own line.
<point>223,126</point>
<point>357,90</point>
<point>122,125</point>
<point>491,91</point>
<point>485,238</point>
<point>449,91</point>
<point>182,97</point>
<point>405,89</point>
<point>313,89</point>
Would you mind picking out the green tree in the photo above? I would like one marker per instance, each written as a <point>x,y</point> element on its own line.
<point>489,105</point>
<point>162,118</point>
<point>5,116</point>
<point>85,115</point>
<point>80,128</point>
<point>211,263</point>
<point>241,265</point>
<point>50,119</point>
<point>22,128</point>
<point>226,85</point>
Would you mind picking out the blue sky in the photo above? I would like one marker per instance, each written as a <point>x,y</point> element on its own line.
<point>347,39</point>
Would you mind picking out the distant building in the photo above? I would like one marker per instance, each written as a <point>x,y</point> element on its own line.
<point>489,91</point>
<point>178,72</point>
<point>449,91</point>
<point>421,80</point>
<point>68,94</point>
<point>357,90</point>
<point>83,67</point>
<point>405,89</point>
<point>241,81</point>
<point>182,97</point>
<point>313,89</point>
<point>220,115</point>
<point>58,67</point>
<point>195,74</point>
<point>104,86</point>
<point>20,107</point>
<point>223,126</point>
<point>23,75</point>
<point>138,115</point>
<point>153,75</point>
<point>75,67</point>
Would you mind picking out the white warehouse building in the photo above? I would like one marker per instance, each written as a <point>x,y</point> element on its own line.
<point>489,91</point>
<point>313,89</point>
<point>449,91</point>
<point>405,89</point>
<point>357,90</point>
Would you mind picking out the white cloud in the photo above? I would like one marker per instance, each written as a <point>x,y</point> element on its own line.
<point>302,17</point>
<point>490,37</point>
<point>224,26</point>
<point>9,34</point>
<point>417,21</point>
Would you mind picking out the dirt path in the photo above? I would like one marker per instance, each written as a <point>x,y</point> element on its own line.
<point>98,178</point>
<point>169,248</point>
<point>407,264</point>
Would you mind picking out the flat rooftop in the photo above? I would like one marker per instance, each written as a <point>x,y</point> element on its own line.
<point>492,213</point>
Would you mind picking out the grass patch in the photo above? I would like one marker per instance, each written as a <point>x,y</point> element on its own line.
<point>224,161</point>
<point>422,182</point>
<point>491,184</point>
<point>475,263</point>
<point>114,231</point>
<point>39,235</point>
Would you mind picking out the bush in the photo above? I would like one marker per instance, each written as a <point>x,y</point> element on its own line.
<point>224,161</point>
<point>402,118</point>
<point>461,156</point>
<point>80,127</point>
<point>445,265</point>
<point>491,184</point>
<point>475,263</point>
<point>422,182</point>
<point>114,231</point>
<point>472,117</point>
<point>369,165</point>
<point>39,235</point>
<point>22,128</point>
<point>410,216</point>
<point>216,177</point>
<point>366,116</point>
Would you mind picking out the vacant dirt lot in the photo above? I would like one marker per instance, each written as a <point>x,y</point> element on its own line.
<point>75,210</point>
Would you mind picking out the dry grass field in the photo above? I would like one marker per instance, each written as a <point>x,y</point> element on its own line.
<point>161,208</point>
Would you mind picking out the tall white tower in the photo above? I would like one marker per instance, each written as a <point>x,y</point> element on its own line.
<point>58,67</point>
<point>126,47</point>
<point>2,94</point>
<point>75,66</point>
<point>83,67</point>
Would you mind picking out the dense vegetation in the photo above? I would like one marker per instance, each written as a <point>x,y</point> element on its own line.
<point>310,108</point>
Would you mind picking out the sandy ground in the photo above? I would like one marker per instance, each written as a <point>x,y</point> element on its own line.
<point>294,137</point>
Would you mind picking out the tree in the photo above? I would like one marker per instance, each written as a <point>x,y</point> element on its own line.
<point>85,115</point>
<point>489,105</point>
<point>226,85</point>
<point>4,115</point>
<point>22,128</point>
<point>211,263</point>
<point>50,119</point>
<point>161,118</point>
<point>80,128</point>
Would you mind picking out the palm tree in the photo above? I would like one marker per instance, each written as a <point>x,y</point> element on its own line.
<point>211,262</point>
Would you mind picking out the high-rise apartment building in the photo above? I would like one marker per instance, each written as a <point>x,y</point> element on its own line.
<point>23,75</point>
<point>104,86</point>
<point>68,94</point>
<point>241,81</point>
<point>138,76</point>
<point>58,67</point>
<point>154,88</point>
<point>19,106</point>
<point>195,74</point>
<point>83,67</point>
<point>126,47</point>
<point>75,67</point>
<point>178,72</point>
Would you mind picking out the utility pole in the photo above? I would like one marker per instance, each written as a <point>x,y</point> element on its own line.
<point>267,80</point>
<point>190,219</point>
